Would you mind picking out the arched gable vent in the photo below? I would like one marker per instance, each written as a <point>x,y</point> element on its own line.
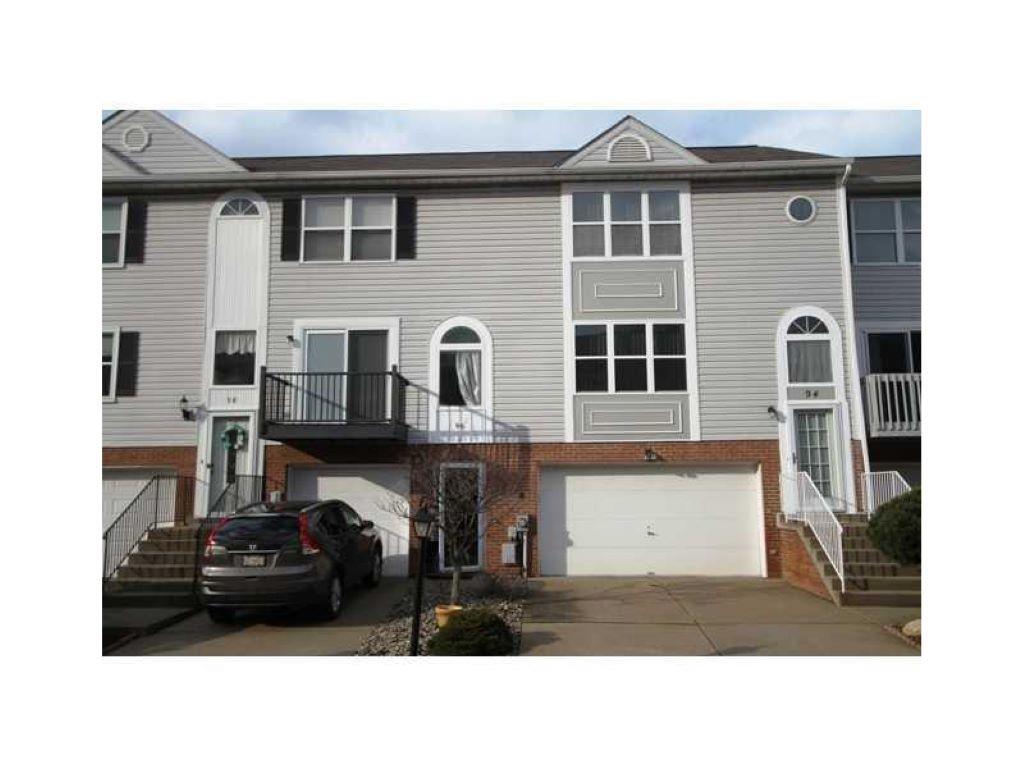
<point>629,148</point>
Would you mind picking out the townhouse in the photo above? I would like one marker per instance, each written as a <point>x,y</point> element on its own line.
<point>671,344</point>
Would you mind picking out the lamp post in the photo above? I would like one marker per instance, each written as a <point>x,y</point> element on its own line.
<point>423,524</point>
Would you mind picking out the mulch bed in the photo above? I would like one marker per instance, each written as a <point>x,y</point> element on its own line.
<point>391,638</point>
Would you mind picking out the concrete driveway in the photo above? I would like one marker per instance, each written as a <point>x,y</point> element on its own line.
<point>700,616</point>
<point>280,634</point>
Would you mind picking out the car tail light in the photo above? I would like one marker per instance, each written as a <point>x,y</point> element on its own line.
<point>208,551</point>
<point>309,544</point>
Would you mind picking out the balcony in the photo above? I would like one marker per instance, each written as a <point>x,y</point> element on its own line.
<point>893,402</point>
<point>333,406</point>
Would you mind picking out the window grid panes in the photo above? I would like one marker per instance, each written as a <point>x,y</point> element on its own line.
<point>627,223</point>
<point>340,228</point>
<point>886,230</point>
<point>630,357</point>
<point>113,221</point>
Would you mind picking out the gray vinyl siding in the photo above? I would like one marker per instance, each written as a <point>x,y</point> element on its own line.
<point>888,292</point>
<point>168,151</point>
<point>488,254</point>
<point>752,264</point>
<point>164,300</point>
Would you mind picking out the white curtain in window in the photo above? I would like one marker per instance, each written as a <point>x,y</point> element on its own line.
<point>809,362</point>
<point>236,343</point>
<point>467,366</point>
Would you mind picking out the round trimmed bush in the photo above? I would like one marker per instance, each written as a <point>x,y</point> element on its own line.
<point>896,528</point>
<point>473,632</point>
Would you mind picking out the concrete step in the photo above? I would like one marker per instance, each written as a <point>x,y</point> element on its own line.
<point>856,556</point>
<point>148,584</point>
<point>163,557</point>
<point>162,571</point>
<point>861,570</point>
<point>880,583</point>
<point>882,597</point>
<point>167,545</point>
<point>176,532</point>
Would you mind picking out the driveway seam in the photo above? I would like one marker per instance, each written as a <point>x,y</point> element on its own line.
<point>686,610</point>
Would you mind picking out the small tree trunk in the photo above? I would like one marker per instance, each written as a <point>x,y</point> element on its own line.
<point>456,574</point>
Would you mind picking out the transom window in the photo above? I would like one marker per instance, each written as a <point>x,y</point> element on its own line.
<point>115,213</point>
<point>809,356</point>
<point>343,228</point>
<point>894,352</point>
<point>234,358</point>
<point>886,230</point>
<point>627,223</point>
<point>240,206</point>
<point>110,345</point>
<point>642,357</point>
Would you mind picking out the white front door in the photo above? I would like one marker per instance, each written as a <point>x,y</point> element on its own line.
<point>377,493</point>
<point>604,521</point>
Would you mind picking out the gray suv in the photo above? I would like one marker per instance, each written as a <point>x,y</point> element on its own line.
<point>297,554</point>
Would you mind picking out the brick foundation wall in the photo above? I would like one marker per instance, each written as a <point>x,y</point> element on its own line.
<point>797,567</point>
<point>181,459</point>
<point>530,459</point>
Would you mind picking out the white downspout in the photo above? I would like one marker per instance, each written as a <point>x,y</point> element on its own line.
<point>853,363</point>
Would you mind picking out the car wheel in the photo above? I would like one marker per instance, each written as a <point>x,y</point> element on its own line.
<point>376,569</point>
<point>335,597</point>
<point>221,615</point>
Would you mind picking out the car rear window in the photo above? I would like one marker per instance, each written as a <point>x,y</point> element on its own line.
<point>273,525</point>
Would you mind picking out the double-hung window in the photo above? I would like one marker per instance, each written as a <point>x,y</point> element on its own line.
<point>886,230</point>
<point>630,357</point>
<point>346,228</point>
<point>115,214</point>
<point>627,223</point>
<point>110,345</point>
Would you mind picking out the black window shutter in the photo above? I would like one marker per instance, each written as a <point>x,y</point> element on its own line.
<point>405,237</point>
<point>135,234</point>
<point>291,228</point>
<point>127,363</point>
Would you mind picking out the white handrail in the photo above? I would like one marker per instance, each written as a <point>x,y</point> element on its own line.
<point>881,487</point>
<point>894,403</point>
<point>803,502</point>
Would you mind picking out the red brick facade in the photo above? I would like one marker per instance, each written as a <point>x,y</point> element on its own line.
<point>797,567</point>
<point>533,457</point>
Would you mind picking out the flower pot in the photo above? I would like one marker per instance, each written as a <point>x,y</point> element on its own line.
<point>445,612</point>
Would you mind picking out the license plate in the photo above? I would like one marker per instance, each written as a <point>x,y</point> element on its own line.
<point>254,561</point>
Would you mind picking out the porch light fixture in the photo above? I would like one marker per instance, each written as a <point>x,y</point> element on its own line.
<point>423,523</point>
<point>650,455</point>
<point>774,413</point>
<point>291,340</point>
<point>187,414</point>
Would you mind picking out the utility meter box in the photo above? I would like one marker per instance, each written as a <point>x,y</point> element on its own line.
<point>509,553</point>
<point>523,523</point>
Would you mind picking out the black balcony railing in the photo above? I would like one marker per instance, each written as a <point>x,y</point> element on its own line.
<point>333,405</point>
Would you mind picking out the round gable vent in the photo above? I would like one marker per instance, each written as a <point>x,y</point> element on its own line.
<point>135,138</point>
<point>629,148</point>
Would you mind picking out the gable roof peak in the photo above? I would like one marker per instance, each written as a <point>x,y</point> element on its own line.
<point>647,145</point>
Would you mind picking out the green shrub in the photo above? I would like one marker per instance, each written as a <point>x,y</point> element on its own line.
<point>473,632</point>
<point>896,528</point>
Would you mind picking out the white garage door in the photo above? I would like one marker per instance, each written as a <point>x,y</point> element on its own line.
<point>641,520</point>
<point>370,491</point>
<point>121,486</point>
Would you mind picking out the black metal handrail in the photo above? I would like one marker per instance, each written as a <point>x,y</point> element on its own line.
<point>165,499</point>
<point>333,397</point>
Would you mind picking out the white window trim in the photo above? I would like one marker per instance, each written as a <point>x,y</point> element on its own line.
<point>347,228</point>
<point>486,347</point>
<point>899,231</point>
<point>685,224</point>
<point>480,524</point>
<point>111,397</point>
<point>610,357</point>
<point>123,231</point>
<point>256,361</point>
<point>809,219</point>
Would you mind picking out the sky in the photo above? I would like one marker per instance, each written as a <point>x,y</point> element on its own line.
<point>314,132</point>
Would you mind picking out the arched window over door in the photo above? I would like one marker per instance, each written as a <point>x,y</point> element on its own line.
<point>239,206</point>
<point>461,381</point>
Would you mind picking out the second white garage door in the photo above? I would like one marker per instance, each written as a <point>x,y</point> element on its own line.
<point>642,520</point>
<point>370,491</point>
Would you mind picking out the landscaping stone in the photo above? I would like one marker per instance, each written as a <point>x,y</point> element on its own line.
<point>912,628</point>
<point>392,637</point>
